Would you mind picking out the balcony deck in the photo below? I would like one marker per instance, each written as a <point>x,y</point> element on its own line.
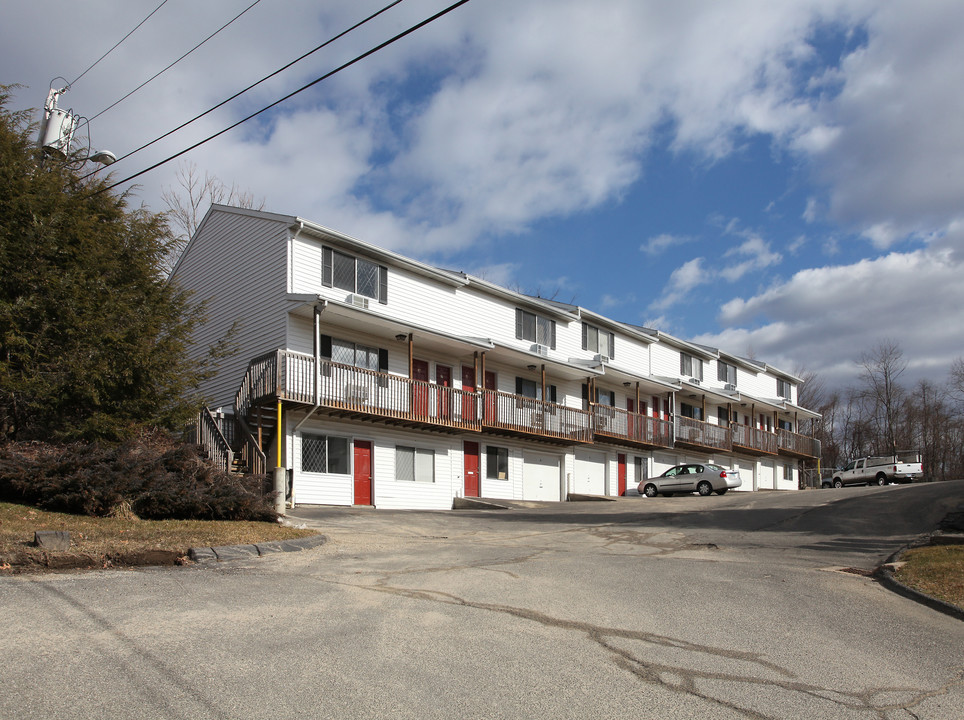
<point>348,391</point>
<point>629,428</point>
<point>702,435</point>
<point>798,446</point>
<point>753,441</point>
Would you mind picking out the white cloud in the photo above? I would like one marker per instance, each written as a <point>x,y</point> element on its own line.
<point>658,244</point>
<point>823,318</point>
<point>682,281</point>
<point>758,256</point>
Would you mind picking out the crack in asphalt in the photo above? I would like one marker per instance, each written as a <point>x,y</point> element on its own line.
<point>875,702</point>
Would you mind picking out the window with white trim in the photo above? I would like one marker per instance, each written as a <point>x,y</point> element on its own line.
<point>535,328</point>
<point>784,389</point>
<point>690,367</point>
<point>354,274</point>
<point>599,341</point>
<point>414,464</point>
<point>726,373</point>
<point>324,454</point>
<point>496,462</point>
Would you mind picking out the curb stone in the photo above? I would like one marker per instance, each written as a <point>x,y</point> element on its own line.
<point>886,578</point>
<point>224,553</point>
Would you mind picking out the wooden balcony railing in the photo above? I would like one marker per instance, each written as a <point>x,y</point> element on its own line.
<point>792,443</point>
<point>290,376</point>
<point>517,413</point>
<point>753,439</point>
<point>702,434</point>
<point>622,424</point>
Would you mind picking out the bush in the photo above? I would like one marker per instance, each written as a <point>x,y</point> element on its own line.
<point>154,475</point>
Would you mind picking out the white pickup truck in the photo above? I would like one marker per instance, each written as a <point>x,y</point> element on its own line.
<point>900,467</point>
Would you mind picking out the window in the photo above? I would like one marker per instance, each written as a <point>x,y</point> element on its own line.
<point>726,373</point>
<point>414,464</point>
<point>788,473</point>
<point>532,389</point>
<point>356,275</point>
<point>602,397</point>
<point>353,354</point>
<point>784,389</point>
<point>496,463</point>
<point>723,416</point>
<point>690,366</point>
<point>324,454</point>
<point>785,425</point>
<point>598,341</point>
<point>690,411</point>
<point>641,469</point>
<point>535,328</point>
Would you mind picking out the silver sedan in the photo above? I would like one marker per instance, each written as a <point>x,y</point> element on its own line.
<point>703,478</point>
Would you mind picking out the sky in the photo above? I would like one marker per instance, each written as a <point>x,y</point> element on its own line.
<point>783,180</point>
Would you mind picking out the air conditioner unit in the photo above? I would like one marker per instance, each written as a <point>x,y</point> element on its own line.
<point>694,381</point>
<point>541,349</point>
<point>359,301</point>
<point>602,358</point>
<point>729,386</point>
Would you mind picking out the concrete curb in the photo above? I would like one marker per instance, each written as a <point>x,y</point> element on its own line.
<point>461,503</point>
<point>579,497</point>
<point>885,577</point>
<point>224,553</point>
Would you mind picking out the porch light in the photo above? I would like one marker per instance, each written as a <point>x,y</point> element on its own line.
<point>401,336</point>
<point>531,367</point>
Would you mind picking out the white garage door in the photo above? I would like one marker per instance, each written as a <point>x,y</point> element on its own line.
<point>746,468</point>
<point>590,473</point>
<point>766,479</point>
<point>540,477</point>
<point>662,463</point>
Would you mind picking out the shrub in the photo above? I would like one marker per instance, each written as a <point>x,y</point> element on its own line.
<point>153,474</point>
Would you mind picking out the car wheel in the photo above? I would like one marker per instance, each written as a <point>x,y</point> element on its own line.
<point>881,479</point>
<point>704,488</point>
<point>650,491</point>
<point>722,491</point>
<point>837,484</point>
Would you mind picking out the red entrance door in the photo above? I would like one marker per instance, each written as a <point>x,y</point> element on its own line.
<point>363,472</point>
<point>443,379</point>
<point>491,399</point>
<point>420,388</point>
<point>471,454</point>
<point>468,386</point>
<point>621,474</point>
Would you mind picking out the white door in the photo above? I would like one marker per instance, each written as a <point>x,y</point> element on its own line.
<point>590,473</point>
<point>766,479</point>
<point>662,463</point>
<point>540,477</point>
<point>746,473</point>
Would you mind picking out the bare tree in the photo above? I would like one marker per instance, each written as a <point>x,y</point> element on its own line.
<point>880,373</point>
<point>188,203</point>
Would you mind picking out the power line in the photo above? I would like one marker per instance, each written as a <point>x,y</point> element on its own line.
<point>163,2</point>
<point>264,79</point>
<point>314,82</point>
<point>176,61</point>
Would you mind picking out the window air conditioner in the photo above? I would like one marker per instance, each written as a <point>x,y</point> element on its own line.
<point>694,381</point>
<point>601,358</point>
<point>356,393</point>
<point>729,386</point>
<point>541,349</point>
<point>359,301</point>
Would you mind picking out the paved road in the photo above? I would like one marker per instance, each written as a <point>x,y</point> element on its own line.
<point>684,607</point>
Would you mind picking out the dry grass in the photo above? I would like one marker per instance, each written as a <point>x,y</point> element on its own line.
<point>123,534</point>
<point>937,570</point>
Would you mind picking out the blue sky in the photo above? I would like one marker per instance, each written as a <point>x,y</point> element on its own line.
<point>782,180</point>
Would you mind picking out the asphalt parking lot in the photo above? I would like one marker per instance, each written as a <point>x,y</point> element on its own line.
<point>718,607</point>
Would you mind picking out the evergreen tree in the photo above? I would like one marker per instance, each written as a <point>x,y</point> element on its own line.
<point>92,336</point>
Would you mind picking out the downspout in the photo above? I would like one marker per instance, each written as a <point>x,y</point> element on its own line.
<point>316,352</point>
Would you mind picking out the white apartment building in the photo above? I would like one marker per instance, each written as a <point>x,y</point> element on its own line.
<point>374,379</point>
